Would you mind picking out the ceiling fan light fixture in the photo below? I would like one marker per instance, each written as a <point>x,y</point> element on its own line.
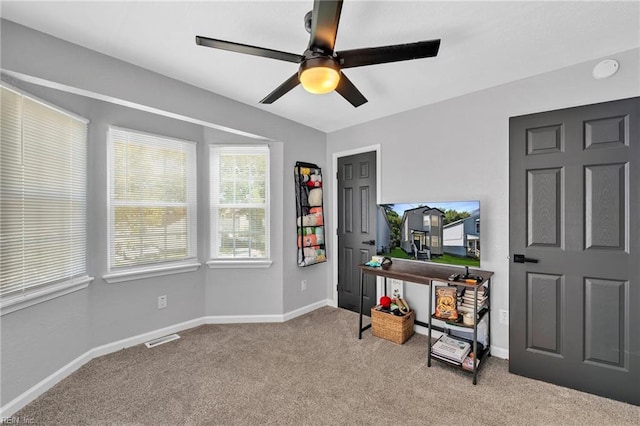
<point>319,75</point>
<point>320,66</point>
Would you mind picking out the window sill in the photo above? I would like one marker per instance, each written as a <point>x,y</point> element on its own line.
<point>150,272</point>
<point>239,263</point>
<point>31,298</point>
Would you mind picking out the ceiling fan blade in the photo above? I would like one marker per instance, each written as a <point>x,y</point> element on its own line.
<point>324,24</point>
<point>248,50</point>
<point>349,91</point>
<point>281,90</point>
<point>384,54</point>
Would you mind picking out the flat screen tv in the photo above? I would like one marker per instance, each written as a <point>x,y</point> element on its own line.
<point>439,232</point>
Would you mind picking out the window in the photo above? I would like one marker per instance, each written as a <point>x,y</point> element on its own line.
<point>435,221</point>
<point>42,200</point>
<point>152,200</point>
<point>239,202</point>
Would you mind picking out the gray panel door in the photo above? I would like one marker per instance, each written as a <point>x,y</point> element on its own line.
<point>574,206</point>
<point>356,228</point>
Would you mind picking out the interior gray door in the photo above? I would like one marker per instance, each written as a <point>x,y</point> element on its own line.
<point>574,207</point>
<point>356,229</point>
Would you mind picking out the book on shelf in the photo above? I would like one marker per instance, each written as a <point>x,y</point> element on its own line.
<point>467,308</point>
<point>470,304</point>
<point>453,349</point>
<point>444,358</point>
<point>482,292</point>
<point>467,300</point>
<point>469,297</point>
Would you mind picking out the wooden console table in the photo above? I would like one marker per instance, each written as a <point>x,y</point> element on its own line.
<point>425,273</point>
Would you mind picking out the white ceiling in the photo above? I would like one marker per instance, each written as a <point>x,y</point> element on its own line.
<point>484,44</point>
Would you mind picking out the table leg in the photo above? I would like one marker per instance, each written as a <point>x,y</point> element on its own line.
<point>360,310</point>
<point>430,287</point>
<point>488,347</point>
<point>475,334</point>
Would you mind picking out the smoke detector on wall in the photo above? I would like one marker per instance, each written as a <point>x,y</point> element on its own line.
<point>605,69</point>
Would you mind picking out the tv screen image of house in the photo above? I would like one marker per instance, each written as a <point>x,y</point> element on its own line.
<point>439,232</point>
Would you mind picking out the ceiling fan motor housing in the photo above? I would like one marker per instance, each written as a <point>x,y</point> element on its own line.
<point>318,61</point>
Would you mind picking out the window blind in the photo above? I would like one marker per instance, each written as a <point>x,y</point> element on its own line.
<point>239,184</point>
<point>42,196</point>
<point>152,203</point>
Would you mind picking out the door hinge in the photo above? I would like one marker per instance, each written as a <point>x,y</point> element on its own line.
<point>337,175</point>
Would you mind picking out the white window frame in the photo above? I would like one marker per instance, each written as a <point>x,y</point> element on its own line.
<point>216,261</point>
<point>37,294</point>
<point>190,262</point>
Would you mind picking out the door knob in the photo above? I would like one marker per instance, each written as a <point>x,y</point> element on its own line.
<point>520,258</point>
<point>370,242</point>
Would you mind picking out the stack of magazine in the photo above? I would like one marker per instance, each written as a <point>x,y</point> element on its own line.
<point>450,349</point>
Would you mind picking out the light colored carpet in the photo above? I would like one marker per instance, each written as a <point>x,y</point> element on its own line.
<point>311,370</point>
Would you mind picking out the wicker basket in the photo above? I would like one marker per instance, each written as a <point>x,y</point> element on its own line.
<point>390,327</point>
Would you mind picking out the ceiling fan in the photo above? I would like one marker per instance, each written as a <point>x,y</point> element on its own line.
<point>320,69</point>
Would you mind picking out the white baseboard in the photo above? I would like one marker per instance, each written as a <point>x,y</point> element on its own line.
<point>44,385</point>
<point>241,319</point>
<point>144,337</point>
<point>246,319</point>
<point>499,352</point>
<point>305,309</point>
<point>47,383</point>
<point>425,331</point>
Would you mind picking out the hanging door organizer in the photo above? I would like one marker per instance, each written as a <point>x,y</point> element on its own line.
<point>310,216</point>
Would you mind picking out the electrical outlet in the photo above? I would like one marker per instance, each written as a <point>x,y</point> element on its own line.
<point>504,317</point>
<point>396,288</point>
<point>162,301</point>
<point>303,285</point>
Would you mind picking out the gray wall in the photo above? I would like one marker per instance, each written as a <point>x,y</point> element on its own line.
<point>476,124</point>
<point>39,340</point>
<point>129,308</point>
<point>249,291</point>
